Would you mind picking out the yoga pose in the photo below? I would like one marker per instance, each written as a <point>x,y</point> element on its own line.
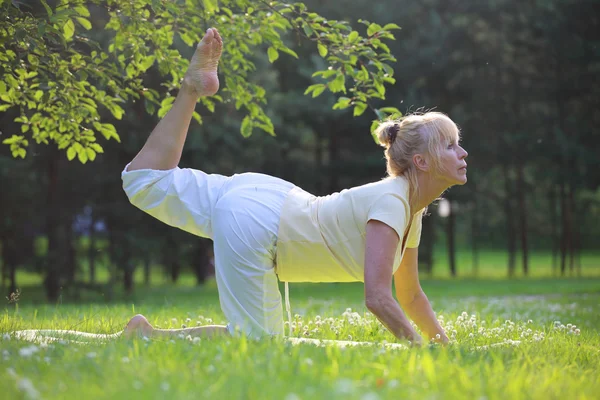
<point>266,230</point>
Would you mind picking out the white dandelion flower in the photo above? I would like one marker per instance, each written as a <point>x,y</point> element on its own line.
<point>6,336</point>
<point>25,385</point>
<point>196,340</point>
<point>91,355</point>
<point>28,351</point>
<point>165,386</point>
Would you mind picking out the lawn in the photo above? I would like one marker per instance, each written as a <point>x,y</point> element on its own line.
<point>520,339</point>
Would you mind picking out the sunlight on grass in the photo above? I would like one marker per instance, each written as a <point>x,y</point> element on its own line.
<point>516,346</point>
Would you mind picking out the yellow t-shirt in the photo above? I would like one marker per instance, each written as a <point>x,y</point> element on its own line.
<point>322,239</point>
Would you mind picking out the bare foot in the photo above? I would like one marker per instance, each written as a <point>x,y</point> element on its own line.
<point>201,76</point>
<point>138,326</point>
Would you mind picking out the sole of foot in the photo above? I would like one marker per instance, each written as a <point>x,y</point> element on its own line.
<point>201,76</point>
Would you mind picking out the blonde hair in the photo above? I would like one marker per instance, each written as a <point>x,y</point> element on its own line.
<point>404,137</point>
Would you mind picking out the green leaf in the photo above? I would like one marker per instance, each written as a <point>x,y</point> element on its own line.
<point>82,156</point>
<point>84,22</point>
<point>342,103</point>
<point>289,51</point>
<point>96,147</point>
<point>5,107</point>
<point>318,91</point>
<point>71,153</point>
<point>273,54</point>
<point>69,29</point>
<point>211,6</point>
<point>247,126</point>
<point>38,95</point>
<point>353,36</point>
<point>390,110</point>
<point>197,117</point>
<point>47,7</point>
<point>314,87</point>
<point>2,87</point>
<point>82,10</point>
<point>307,29</point>
<point>373,28</point>
<point>322,50</point>
<point>359,108</point>
<point>374,126</point>
<point>91,154</point>
<point>146,63</point>
<point>338,84</point>
<point>388,27</point>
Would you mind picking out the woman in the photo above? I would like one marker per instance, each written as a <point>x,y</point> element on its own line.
<point>265,229</point>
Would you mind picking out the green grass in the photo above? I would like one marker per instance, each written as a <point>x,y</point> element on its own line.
<point>549,362</point>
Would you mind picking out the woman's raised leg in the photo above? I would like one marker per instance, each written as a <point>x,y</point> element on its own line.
<point>163,148</point>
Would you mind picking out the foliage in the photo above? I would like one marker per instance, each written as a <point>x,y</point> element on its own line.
<point>62,77</point>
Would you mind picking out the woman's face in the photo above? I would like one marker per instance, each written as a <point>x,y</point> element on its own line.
<point>453,165</point>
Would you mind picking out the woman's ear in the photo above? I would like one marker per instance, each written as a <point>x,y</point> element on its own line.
<point>421,162</point>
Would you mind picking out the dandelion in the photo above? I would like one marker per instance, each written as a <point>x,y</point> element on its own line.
<point>370,396</point>
<point>188,320</point>
<point>577,332</point>
<point>183,326</point>
<point>125,360</point>
<point>28,351</point>
<point>25,385</point>
<point>181,336</point>
<point>91,355</point>
<point>165,386</point>
<point>174,320</point>
<point>196,340</point>
<point>6,336</point>
<point>145,338</point>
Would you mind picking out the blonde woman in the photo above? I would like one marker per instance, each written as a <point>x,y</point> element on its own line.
<point>266,230</point>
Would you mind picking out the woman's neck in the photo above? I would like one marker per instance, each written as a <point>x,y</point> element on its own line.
<point>428,189</point>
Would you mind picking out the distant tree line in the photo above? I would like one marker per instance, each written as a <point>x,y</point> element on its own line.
<point>82,84</point>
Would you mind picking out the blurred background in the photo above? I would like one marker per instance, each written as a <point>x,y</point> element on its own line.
<point>519,78</point>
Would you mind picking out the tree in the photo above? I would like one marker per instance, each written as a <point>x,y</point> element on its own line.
<point>62,78</point>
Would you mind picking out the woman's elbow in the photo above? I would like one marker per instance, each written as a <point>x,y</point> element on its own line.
<point>375,302</point>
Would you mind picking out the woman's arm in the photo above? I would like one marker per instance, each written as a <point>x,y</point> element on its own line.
<point>413,300</point>
<point>381,244</point>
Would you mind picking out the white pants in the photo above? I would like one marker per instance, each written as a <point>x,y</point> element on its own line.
<point>245,223</point>
<point>241,214</point>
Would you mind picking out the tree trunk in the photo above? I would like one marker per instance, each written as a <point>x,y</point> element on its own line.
<point>147,260</point>
<point>523,217</point>
<point>564,233</point>
<point>52,279</point>
<point>474,234</point>
<point>334,151</point>
<point>510,225</point>
<point>570,239</point>
<point>92,249</point>
<point>200,262</point>
<point>426,247</point>
<point>128,267</point>
<point>451,241</point>
<point>555,239</point>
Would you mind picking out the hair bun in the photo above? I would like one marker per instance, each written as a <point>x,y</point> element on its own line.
<point>387,132</point>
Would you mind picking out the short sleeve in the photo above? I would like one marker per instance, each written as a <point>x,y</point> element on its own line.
<point>392,210</point>
<point>414,236</point>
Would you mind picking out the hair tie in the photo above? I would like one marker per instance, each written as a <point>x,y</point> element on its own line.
<point>394,129</point>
